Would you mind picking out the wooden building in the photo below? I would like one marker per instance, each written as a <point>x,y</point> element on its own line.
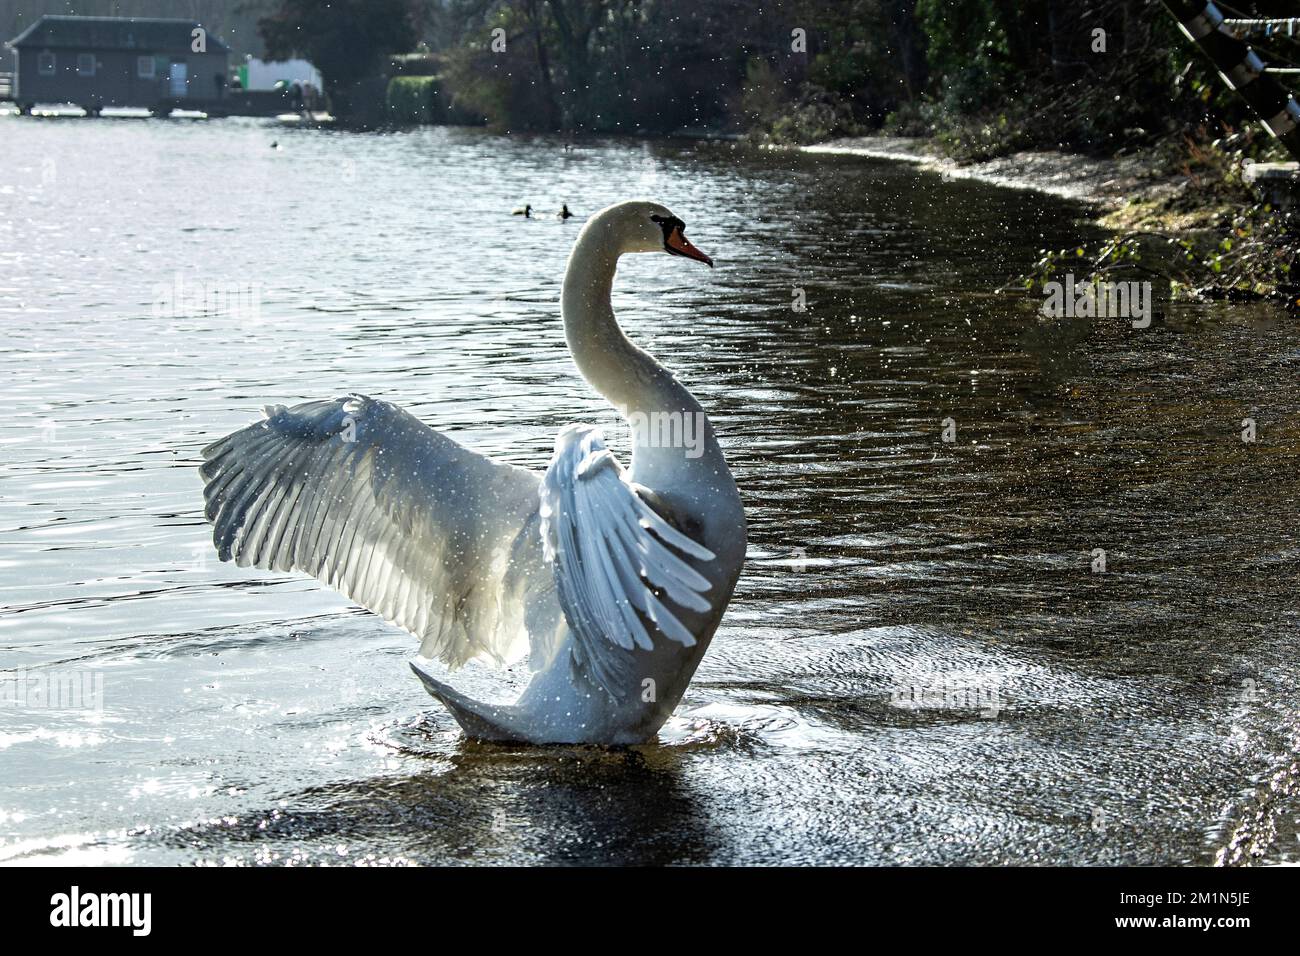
<point>94,62</point>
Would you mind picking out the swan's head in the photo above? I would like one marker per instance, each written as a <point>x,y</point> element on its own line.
<point>641,226</point>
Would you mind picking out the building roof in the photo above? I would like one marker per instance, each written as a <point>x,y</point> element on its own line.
<point>113,33</point>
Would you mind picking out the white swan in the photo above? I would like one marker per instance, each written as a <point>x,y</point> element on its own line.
<point>613,581</point>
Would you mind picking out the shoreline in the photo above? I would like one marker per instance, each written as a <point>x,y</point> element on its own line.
<point>1110,184</point>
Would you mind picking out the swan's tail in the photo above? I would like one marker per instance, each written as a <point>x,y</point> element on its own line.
<point>479,720</point>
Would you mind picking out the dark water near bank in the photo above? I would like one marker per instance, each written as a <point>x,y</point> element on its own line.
<point>1143,715</point>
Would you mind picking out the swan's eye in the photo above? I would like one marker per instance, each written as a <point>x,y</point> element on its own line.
<point>668,224</point>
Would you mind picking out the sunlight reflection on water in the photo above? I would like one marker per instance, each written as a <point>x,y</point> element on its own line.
<point>257,718</point>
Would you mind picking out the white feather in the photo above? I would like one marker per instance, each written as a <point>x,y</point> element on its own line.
<point>403,520</point>
<point>610,551</point>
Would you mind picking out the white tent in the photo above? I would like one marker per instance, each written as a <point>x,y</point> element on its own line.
<point>261,75</point>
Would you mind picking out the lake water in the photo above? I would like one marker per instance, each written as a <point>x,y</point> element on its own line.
<point>920,665</point>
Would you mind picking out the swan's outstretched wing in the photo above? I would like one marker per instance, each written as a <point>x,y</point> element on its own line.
<point>406,522</point>
<point>613,557</point>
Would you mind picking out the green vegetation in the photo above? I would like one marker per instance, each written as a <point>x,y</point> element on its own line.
<point>982,76</point>
<point>1213,238</point>
<point>411,99</point>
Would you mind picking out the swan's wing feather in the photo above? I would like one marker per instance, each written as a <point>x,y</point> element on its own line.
<point>619,566</point>
<point>427,534</point>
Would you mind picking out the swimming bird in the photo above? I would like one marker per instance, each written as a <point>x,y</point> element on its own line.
<point>564,212</point>
<point>526,211</point>
<point>612,579</point>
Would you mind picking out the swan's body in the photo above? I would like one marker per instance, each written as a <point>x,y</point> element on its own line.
<point>613,581</point>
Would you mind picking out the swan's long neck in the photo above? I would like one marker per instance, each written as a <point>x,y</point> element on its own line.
<point>629,378</point>
<point>671,435</point>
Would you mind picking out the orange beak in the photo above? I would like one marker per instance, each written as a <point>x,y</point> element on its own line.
<point>679,245</point>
